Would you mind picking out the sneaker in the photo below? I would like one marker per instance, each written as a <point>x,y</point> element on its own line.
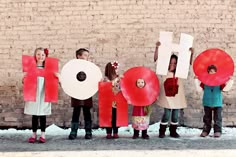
<point>109,136</point>
<point>204,134</point>
<point>217,134</point>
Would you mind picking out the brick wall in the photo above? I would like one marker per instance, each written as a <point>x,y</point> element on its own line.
<point>123,30</point>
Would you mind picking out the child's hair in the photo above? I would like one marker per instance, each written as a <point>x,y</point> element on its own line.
<point>41,49</point>
<point>80,52</point>
<point>110,71</point>
<point>173,56</point>
<point>211,67</point>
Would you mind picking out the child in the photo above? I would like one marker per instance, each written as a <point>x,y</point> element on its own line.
<point>212,102</point>
<point>40,108</point>
<point>172,97</point>
<point>140,116</point>
<point>111,75</point>
<point>86,105</point>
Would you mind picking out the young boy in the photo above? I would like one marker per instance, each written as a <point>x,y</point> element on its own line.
<point>86,105</point>
<point>212,102</point>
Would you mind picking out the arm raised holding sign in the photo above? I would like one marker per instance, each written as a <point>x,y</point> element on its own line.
<point>172,65</point>
<point>156,51</point>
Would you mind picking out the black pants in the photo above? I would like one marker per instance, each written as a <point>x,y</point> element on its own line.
<point>208,118</point>
<point>136,132</point>
<point>87,117</point>
<point>113,122</point>
<point>35,121</point>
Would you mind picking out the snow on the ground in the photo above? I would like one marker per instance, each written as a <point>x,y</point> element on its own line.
<point>153,130</point>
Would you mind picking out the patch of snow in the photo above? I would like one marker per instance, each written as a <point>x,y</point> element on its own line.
<point>153,130</point>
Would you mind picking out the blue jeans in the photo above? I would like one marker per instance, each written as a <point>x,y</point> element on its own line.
<point>174,113</point>
<point>208,118</point>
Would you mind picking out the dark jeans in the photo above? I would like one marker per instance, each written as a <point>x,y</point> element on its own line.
<point>208,118</point>
<point>113,122</point>
<point>174,113</point>
<point>35,122</point>
<point>87,117</point>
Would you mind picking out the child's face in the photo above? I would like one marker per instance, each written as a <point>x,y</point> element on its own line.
<point>172,65</point>
<point>140,83</point>
<point>40,56</point>
<point>212,71</point>
<point>84,55</point>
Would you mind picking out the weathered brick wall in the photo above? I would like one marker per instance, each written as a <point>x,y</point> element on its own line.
<point>123,30</point>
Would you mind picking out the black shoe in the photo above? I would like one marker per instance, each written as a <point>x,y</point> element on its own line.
<point>135,136</point>
<point>88,136</point>
<point>145,136</point>
<point>88,130</point>
<point>72,136</point>
<point>74,127</point>
<point>162,135</point>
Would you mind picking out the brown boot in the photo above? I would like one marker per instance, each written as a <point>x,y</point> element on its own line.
<point>173,132</point>
<point>162,131</point>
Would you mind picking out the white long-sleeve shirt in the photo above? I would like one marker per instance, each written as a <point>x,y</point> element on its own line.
<point>228,85</point>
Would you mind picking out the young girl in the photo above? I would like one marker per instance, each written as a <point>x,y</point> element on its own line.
<point>140,116</point>
<point>111,75</point>
<point>40,108</point>
<point>212,102</point>
<point>171,100</point>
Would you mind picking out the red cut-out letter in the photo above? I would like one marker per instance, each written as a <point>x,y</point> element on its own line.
<point>51,82</point>
<point>30,80</point>
<point>105,99</point>
<point>122,110</point>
